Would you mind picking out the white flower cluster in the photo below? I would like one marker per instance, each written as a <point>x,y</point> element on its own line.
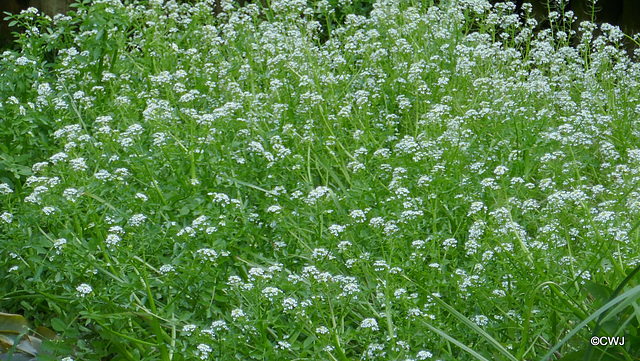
<point>5,189</point>
<point>137,219</point>
<point>369,323</point>
<point>84,289</point>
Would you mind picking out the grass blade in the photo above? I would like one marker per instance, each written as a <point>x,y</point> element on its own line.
<point>456,342</point>
<point>633,293</point>
<point>477,329</point>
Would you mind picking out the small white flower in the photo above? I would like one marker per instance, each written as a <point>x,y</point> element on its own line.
<point>490,183</point>
<point>58,244</point>
<point>423,355</point>
<point>448,243</point>
<point>116,229</point>
<point>71,194</point>
<point>634,155</point>
<point>166,268</point>
<point>319,253</point>
<point>221,198</point>
<point>322,330</point>
<point>83,290</point>
<point>208,254</point>
<point>37,167</point>
<point>219,325</point>
<point>122,173</point>
<point>237,313</point>
<point>205,350</point>
<point>48,210</point>
<point>289,304</point>
<point>58,157</point>
<point>480,320</point>
<point>5,189</point>
<point>284,345</point>
<point>271,292</point>
<point>476,207</point>
<point>137,219</point>
<point>134,129</point>
<point>370,323</point>
<point>342,246</point>
<point>159,139</point>
<point>336,229</point>
<point>499,293</point>
<point>399,292</point>
<point>113,240</point>
<point>355,166</point>
<point>211,230</point>
<point>78,164</point>
<point>103,175</point>
<point>6,217</point>
<point>188,329</point>
<point>358,215</point>
<point>500,170</point>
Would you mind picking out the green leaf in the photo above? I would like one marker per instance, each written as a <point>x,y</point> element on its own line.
<point>58,325</point>
<point>598,291</point>
<point>308,342</point>
<point>46,333</point>
<point>13,322</point>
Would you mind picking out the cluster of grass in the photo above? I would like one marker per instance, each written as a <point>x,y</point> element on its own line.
<point>428,182</point>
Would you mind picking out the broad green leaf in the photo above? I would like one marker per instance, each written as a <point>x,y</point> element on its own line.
<point>58,325</point>
<point>598,292</point>
<point>13,322</point>
<point>47,333</point>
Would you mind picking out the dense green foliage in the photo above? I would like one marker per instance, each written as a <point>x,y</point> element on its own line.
<point>420,183</point>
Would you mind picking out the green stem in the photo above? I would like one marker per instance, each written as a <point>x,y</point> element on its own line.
<point>134,340</point>
<point>155,185</point>
<point>155,323</point>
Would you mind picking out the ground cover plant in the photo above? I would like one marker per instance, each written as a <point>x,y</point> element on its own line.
<point>428,182</point>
